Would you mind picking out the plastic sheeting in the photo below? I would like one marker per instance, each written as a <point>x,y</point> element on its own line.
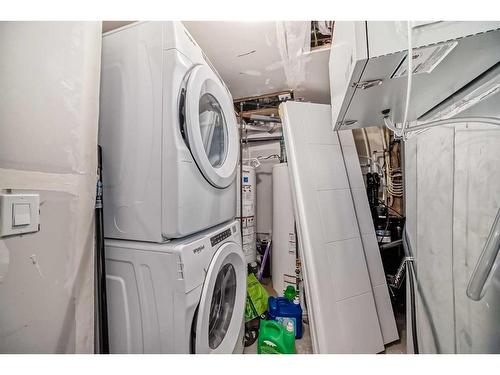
<point>294,40</point>
<point>265,57</point>
<point>452,197</point>
<point>48,139</point>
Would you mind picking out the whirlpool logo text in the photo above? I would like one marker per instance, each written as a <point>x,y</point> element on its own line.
<point>198,249</point>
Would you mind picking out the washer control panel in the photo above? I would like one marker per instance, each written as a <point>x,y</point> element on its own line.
<point>219,237</point>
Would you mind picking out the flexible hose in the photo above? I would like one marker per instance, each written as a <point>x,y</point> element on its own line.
<point>391,126</point>
<point>405,130</point>
<point>410,272</point>
<point>100,260</point>
<point>409,73</point>
<point>260,274</point>
<point>417,129</point>
<point>479,120</point>
<point>413,310</point>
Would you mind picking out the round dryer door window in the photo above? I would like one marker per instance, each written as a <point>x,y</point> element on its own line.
<point>211,126</point>
<point>222,303</point>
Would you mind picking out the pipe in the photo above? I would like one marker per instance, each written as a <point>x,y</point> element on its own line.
<point>409,72</point>
<point>263,139</point>
<point>404,133</point>
<point>283,158</point>
<point>427,125</point>
<point>264,96</point>
<point>487,263</point>
<point>241,171</point>
<point>270,127</point>
<point>397,132</point>
<point>398,278</point>
<point>413,308</point>
<point>384,141</point>
<point>368,150</point>
<point>390,245</point>
<point>102,310</point>
<point>264,261</point>
<point>264,118</point>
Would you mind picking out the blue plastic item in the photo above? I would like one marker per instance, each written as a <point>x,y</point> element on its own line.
<point>284,311</point>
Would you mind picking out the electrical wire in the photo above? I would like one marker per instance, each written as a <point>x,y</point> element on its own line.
<point>390,208</point>
<point>405,131</point>
<point>411,272</point>
<point>413,307</point>
<point>431,124</point>
<point>268,157</point>
<point>420,128</point>
<point>394,177</point>
<point>409,72</point>
<point>384,235</point>
<point>373,161</point>
<point>398,133</point>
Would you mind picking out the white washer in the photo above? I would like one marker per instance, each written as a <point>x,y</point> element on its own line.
<point>185,296</point>
<point>169,135</point>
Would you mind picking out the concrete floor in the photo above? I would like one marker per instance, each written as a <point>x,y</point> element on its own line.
<point>304,345</point>
<point>399,346</point>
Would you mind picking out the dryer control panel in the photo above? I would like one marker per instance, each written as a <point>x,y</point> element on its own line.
<point>219,237</point>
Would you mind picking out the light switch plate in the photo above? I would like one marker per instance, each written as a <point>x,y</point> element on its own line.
<point>19,213</point>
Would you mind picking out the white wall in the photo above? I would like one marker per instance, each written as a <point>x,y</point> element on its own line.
<point>453,194</point>
<point>49,75</point>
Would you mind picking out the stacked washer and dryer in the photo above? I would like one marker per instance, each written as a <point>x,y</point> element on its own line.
<point>176,274</point>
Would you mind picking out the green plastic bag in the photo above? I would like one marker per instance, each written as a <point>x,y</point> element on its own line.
<point>257,297</point>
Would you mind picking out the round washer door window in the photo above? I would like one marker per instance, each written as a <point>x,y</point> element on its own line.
<point>222,303</point>
<point>210,126</point>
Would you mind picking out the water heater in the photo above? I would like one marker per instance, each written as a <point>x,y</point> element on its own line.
<point>283,255</point>
<point>247,185</point>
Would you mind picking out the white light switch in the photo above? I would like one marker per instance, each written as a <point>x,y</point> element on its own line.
<point>19,213</point>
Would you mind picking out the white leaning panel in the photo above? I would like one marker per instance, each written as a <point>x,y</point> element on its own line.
<point>339,293</point>
<point>368,238</point>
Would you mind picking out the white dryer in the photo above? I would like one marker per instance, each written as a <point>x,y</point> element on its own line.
<point>185,296</point>
<point>168,133</point>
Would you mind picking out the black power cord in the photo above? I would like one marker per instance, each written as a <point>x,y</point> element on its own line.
<point>410,272</point>
<point>102,311</point>
<point>413,310</point>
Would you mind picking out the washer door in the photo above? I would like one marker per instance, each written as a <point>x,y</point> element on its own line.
<point>211,127</point>
<point>222,304</point>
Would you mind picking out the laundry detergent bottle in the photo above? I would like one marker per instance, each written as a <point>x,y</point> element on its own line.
<point>274,338</point>
<point>285,311</point>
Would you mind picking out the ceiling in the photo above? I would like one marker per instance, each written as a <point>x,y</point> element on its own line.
<point>111,25</point>
<point>256,58</point>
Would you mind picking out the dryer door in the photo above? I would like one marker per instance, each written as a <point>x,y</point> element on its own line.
<point>211,126</point>
<point>222,304</point>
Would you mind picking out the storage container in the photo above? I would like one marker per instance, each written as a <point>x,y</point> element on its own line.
<point>284,311</point>
<point>275,338</point>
